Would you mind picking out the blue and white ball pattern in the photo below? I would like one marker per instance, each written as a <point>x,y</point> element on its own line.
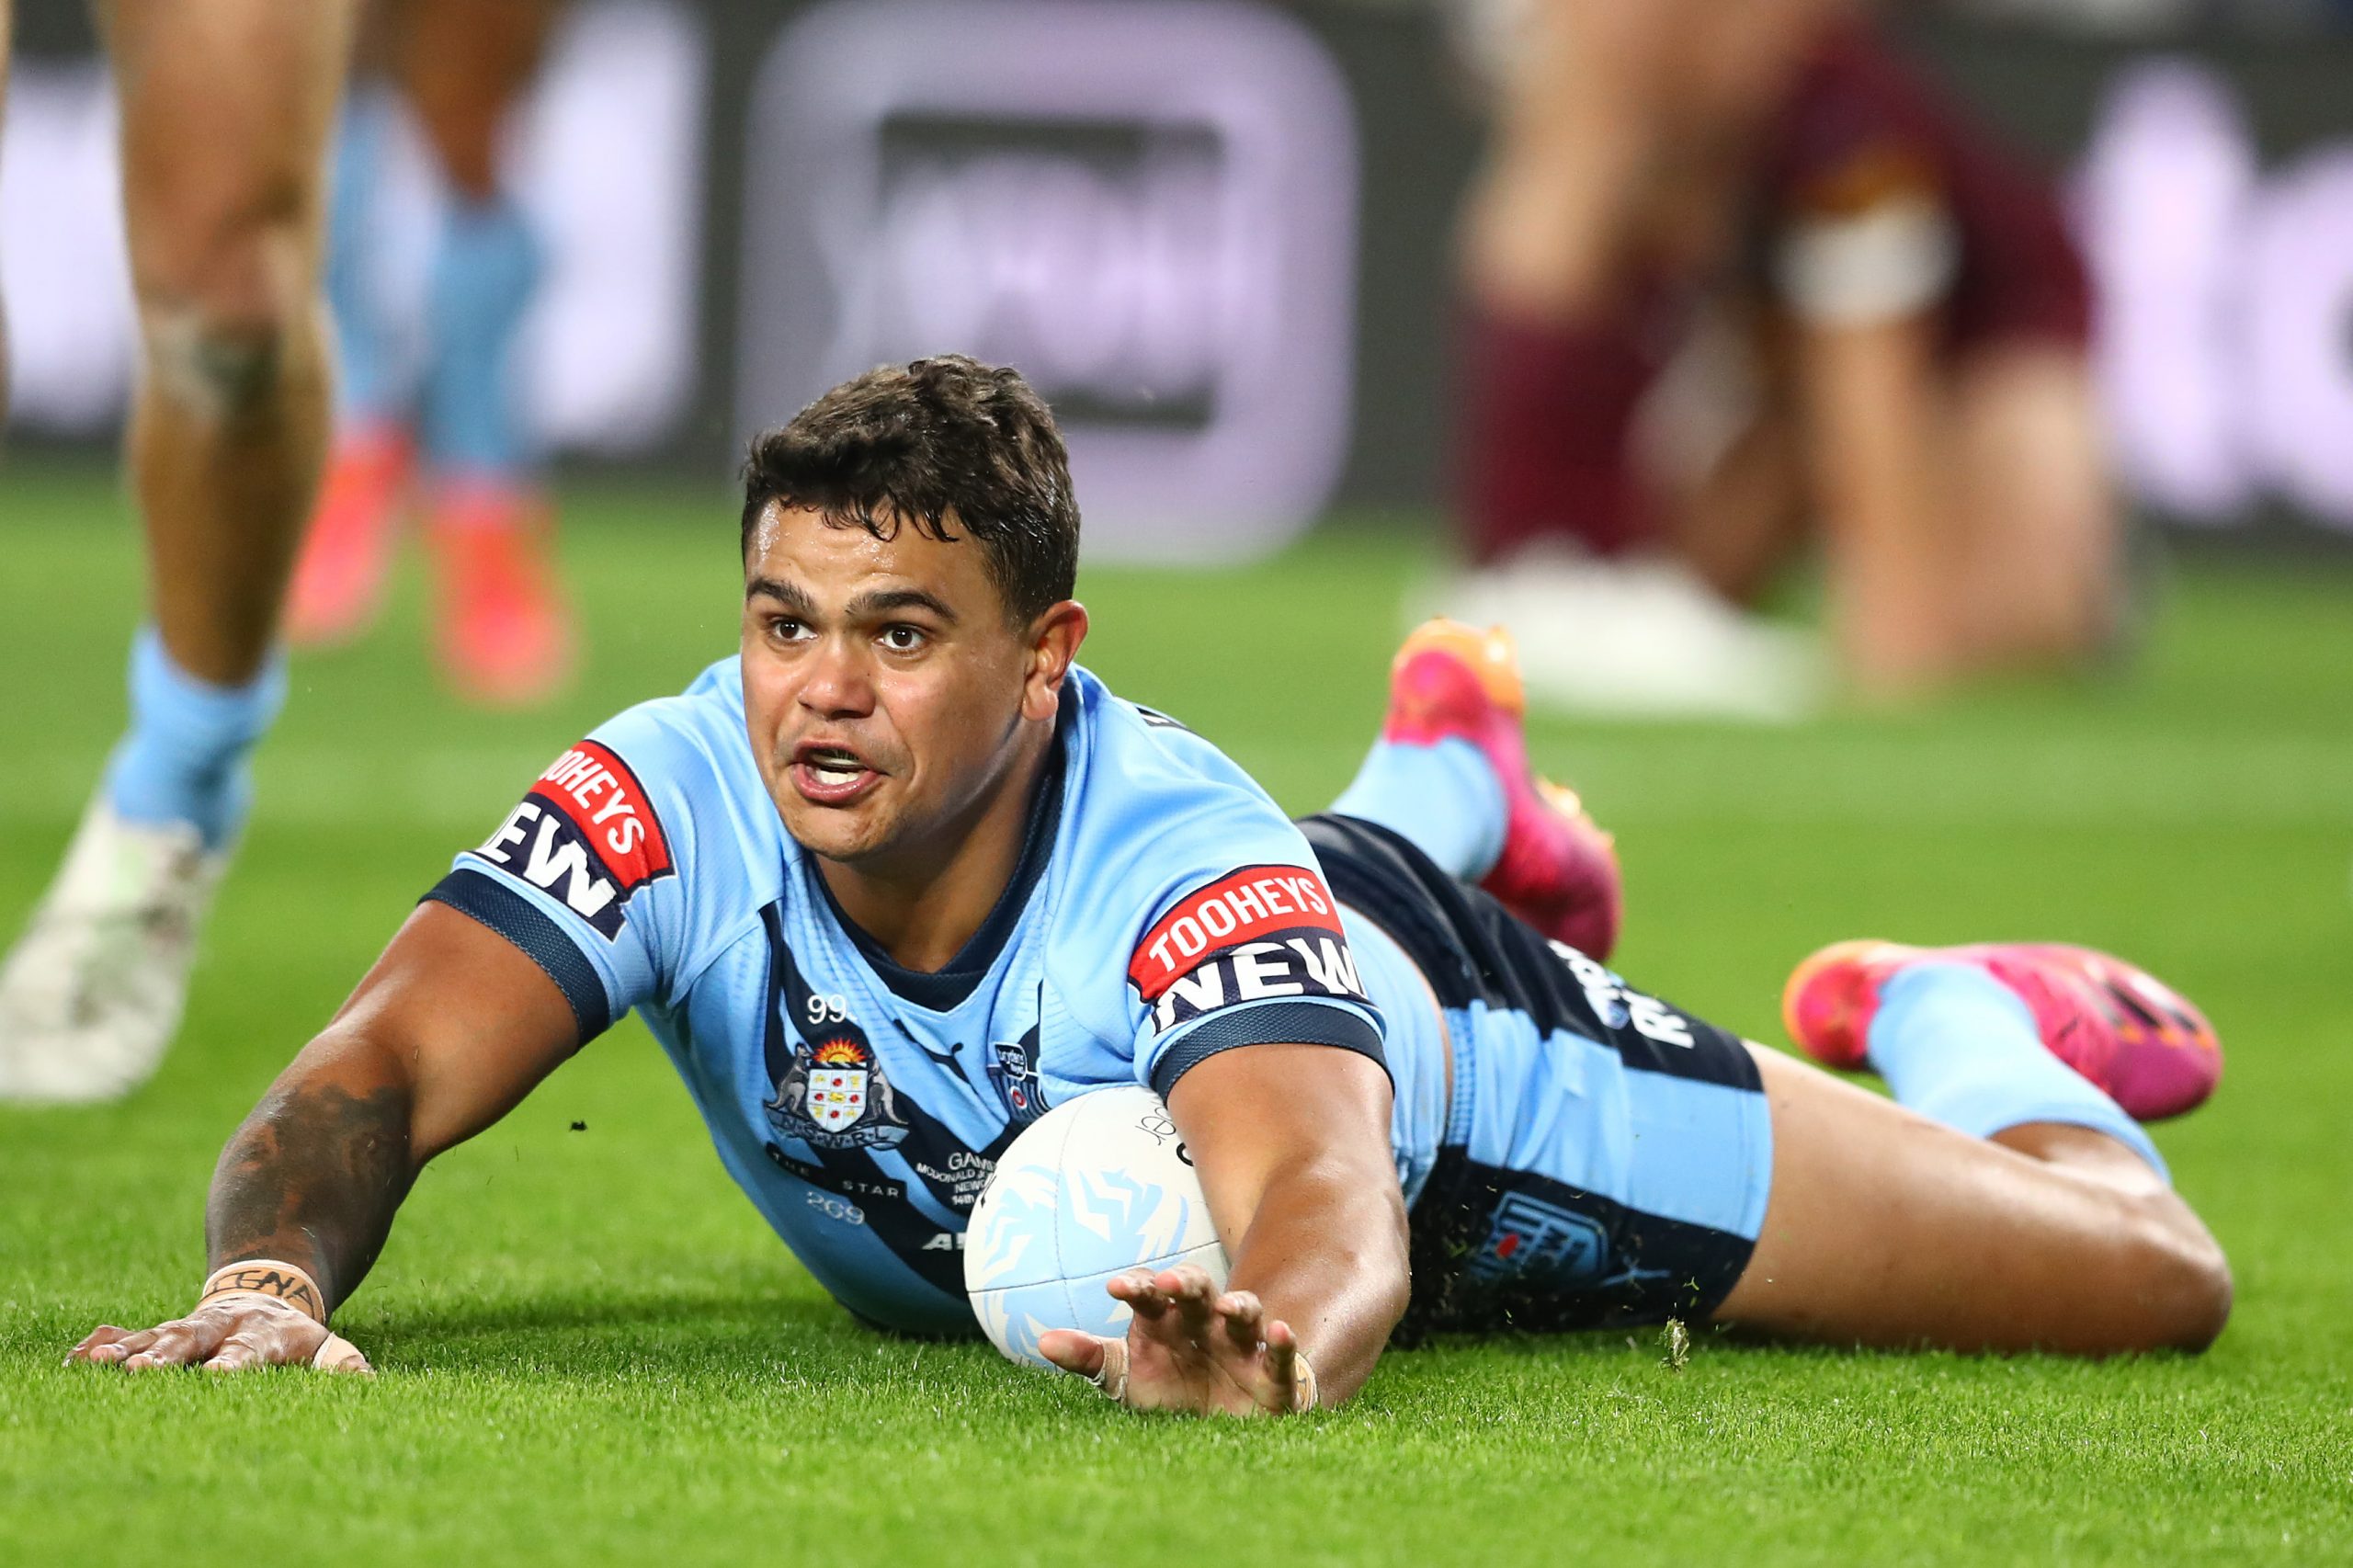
<point>1097,1186</point>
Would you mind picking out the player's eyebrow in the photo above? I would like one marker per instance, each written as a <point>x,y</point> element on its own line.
<point>786,594</point>
<point>883,601</point>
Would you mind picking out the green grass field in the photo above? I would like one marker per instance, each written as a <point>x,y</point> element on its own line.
<point>593,1350</point>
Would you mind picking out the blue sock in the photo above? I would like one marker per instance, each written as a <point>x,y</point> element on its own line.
<point>184,759</point>
<point>1959,1047</point>
<point>1445,798</point>
<point>483,276</point>
<point>367,387</point>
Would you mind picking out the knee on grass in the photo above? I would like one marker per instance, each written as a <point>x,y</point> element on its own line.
<point>2175,1279</point>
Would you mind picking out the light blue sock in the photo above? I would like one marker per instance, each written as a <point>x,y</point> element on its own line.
<point>184,759</point>
<point>367,381</point>
<point>1445,798</point>
<point>1959,1047</point>
<point>483,276</point>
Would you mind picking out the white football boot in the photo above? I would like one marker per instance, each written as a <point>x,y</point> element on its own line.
<point>1633,637</point>
<point>91,997</point>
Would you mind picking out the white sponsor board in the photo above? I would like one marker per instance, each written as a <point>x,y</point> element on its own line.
<point>606,154</point>
<point>2225,335</point>
<point>1148,207</point>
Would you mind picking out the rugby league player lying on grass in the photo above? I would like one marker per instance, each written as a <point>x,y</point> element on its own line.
<point>902,873</point>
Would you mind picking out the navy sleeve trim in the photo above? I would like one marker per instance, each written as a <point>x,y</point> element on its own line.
<point>1274,1023</point>
<point>479,896</point>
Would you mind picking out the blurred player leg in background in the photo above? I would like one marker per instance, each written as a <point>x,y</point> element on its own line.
<point>339,578</point>
<point>2043,578</point>
<point>505,636</point>
<point>225,112</point>
<point>1603,203</point>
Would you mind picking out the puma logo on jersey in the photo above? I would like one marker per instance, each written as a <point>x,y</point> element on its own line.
<point>584,833</point>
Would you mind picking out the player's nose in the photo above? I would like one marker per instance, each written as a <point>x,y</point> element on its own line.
<point>836,681</point>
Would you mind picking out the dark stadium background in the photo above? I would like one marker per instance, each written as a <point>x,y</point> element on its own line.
<point>1416,135</point>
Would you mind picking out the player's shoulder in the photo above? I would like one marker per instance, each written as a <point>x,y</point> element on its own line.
<point>1157,813</point>
<point>1147,788</point>
<point>667,791</point>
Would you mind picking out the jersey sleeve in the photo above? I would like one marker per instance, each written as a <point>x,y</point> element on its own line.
<point>583,875</point>
<point>1254,956</point>
<point>1887,254</point>
<point>1864,229</point>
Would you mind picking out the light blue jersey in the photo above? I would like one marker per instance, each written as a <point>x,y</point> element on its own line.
<point>1163,910</point>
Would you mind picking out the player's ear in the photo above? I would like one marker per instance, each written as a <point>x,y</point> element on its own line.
<point>1054,637</point>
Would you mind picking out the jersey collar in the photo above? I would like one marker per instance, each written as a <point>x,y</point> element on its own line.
<point>944,990</point>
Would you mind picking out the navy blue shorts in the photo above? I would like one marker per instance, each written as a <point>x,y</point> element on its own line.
<point>1607,1158</point>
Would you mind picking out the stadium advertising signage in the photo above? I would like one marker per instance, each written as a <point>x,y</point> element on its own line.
<point>2226,295</point>
<point>1156,208</point>
<point>605,154</point>
<point>1149,207</point>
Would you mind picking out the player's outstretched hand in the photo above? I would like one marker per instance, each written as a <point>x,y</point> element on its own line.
<point>226,1337</point>
<point>1189,1348</point>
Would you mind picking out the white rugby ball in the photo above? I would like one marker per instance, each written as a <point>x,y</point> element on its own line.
<point>1097,1186</point>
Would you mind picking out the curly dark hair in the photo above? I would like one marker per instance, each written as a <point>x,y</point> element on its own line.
<point>942,444</point>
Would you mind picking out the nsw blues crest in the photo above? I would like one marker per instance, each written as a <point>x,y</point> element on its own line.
<point>834,1096</point>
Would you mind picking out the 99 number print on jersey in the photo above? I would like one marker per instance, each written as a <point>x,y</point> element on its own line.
<point>1260,933</point>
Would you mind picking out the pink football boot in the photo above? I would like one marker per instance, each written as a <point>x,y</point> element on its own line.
<point>2135,1037</point>
<point>1557,871</point>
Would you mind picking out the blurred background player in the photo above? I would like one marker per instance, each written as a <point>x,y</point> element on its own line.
<point>225,110</point>
<point>1738,278</point>
<point>447,432</point>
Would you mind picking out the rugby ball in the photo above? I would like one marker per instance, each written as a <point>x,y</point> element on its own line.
<point>1095,1186</point>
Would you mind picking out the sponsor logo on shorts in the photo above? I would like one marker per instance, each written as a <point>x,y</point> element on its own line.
<point>1531,1239</point>
<point>586,835</point>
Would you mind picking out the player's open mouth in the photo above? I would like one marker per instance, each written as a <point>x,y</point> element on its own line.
<point>831,776</point>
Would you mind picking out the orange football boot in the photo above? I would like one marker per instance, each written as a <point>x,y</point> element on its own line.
<point>1558,871</point>
<point>506,631</point>
<point>338,584</point>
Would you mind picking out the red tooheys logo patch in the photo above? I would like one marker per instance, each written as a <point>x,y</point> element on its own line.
<point>585,834</point>
<point>1257,903</point>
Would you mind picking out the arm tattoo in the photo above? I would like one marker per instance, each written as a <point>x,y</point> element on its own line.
<point>313,1179</point>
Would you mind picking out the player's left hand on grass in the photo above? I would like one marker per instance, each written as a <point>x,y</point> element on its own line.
<point>226,1334</point>
<point>1190,1348</point>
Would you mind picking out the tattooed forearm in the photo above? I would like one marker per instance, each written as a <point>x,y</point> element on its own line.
<point>313,1179</point>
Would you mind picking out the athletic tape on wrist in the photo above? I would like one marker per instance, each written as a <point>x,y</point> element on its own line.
<point>1304,1372</point>
<point>267,1280</point>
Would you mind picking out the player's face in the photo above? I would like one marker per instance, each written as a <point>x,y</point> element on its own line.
<point>886,689</point>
